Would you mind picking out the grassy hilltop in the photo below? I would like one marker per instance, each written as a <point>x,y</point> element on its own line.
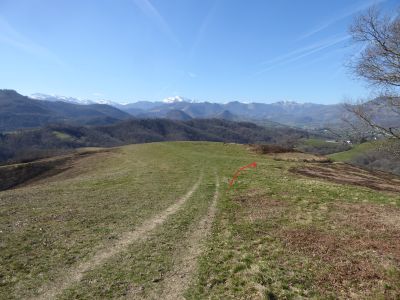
<point>157,220</point>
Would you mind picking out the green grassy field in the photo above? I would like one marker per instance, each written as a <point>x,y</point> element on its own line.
<point>138,222</point>
<point>353,152</point>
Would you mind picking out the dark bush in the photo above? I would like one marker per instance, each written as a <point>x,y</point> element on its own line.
<point>268,148</point>
<point>379,160</point>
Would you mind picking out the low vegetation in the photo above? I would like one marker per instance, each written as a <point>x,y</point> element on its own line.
<point>271,149</point>
<point>277,233</point>
<point>16,174</point>
<point>302,157</point>
<point>287,154</point>
<point>321,147</point>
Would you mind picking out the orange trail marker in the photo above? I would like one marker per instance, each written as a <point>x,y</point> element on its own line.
<point>235,176</point>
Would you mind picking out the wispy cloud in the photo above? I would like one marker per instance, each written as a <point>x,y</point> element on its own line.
<point>201,32</point>
<point>349,12</point>
<point>11,37</point>
<point>192,75</point>
<point>301,53</point>
<point>154,15</point>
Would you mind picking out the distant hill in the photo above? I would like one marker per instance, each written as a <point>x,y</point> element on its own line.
<point>177,114</point>
<point>29,144</point>
<point>18,112</point>
<point>227,115</point>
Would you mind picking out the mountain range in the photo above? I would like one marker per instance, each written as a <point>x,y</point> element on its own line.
<point>20,112</point>
<point>305,115</point>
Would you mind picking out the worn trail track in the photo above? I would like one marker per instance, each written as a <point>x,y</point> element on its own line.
<point>177,281</point>
<point>140,233</point>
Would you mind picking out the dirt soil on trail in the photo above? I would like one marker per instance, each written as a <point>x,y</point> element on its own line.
<point>179,279</point>
<point>142,232</point>
<point>347,174</point>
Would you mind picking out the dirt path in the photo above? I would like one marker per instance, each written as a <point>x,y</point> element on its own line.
<point>140,233</point>
<point>177,281</point>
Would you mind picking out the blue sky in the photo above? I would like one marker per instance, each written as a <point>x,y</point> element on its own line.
<point>210,50</point>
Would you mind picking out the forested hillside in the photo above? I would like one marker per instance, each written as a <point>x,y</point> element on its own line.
<point>55,139</point>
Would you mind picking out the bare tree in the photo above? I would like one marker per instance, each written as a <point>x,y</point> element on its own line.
<point>378,62</point>
<point>353,128</point>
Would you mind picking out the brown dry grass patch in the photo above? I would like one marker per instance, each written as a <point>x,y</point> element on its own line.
<point>257,206</point>
<point>354,253</point>
<point>347,174</point>
<point>378,226</point>
<point>341,260</point>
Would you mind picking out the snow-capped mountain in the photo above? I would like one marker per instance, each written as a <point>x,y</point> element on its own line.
<point>287,103</point>
<point>53,98</point>
<point>108,102</point>
<point>176,99</point>
<point>46,97</point>
<point>285,112</point>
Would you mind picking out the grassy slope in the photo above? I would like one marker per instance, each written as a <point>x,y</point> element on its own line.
<point>353,152</point>
<point>48,227</point>
<point>252,253</point>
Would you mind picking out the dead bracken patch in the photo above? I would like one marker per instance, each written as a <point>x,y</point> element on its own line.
<point>287,154</point>
<point>329,246</point>
<point>347,174</point>
<point>352,255</point>
<point>381,224</point>
<point>301,157</point>
<point>348,262</point>
<point>356,254</point>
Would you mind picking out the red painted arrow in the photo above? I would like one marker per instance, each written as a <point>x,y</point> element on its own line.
<point>235,176</point>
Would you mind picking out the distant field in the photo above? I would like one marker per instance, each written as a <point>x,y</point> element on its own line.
<point>158,221</point>
<point>353,152</point>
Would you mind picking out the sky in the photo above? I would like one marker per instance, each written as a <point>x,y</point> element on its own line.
<point>206,50</point>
